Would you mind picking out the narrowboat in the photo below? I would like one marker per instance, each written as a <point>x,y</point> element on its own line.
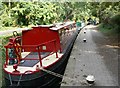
<point>42,47</point>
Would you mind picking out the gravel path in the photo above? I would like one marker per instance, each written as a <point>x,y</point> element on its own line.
<point>94,57</point>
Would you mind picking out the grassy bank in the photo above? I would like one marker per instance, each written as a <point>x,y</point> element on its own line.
<point>111,26</point>
<point>112,33</point>
<point>0,67</point>
<point>108,29</point>
<point>3,41</point>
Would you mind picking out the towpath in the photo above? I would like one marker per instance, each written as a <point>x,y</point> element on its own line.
<point>96,57</point>
<point>6,32</point>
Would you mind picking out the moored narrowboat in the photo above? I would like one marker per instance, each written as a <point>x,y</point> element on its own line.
<point>42,47</point>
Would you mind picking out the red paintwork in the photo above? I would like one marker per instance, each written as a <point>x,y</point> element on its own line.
<point>33,41</point>
<point>32,72</point>
<point>37,48</point>
<point>40,35</point>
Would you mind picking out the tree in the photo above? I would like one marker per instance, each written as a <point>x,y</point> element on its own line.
<point>36,13</point>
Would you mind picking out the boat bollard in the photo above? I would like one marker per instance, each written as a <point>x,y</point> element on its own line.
<point>84,40</point>
<point>15,66</point>
<point>84,32</point>
<point>37,67</point>
<point>90,79</point>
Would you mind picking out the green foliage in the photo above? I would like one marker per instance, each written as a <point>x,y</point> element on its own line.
<point>113,25</point>
<point>27,13</point>
<point>115,21</point>
<point>4,18</point>
<point>7,22</point>
<point>3,41</point>
<point>36,13</point>
<point>104,10</point>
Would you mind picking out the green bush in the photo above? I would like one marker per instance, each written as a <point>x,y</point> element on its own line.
<point>3,42</point>
<point>112,26</point>
<point>115,21</point>
<point>7,22</point>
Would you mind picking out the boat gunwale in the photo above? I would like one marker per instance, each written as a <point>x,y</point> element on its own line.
<point>32,72</point>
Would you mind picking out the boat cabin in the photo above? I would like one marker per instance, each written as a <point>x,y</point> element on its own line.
<point>41,46</point>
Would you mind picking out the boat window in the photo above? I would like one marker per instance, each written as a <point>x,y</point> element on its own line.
<point>44,47</point>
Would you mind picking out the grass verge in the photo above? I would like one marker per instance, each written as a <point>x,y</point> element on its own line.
<point>112,32</point>
<point>108,30</point>
<point>3,41</point>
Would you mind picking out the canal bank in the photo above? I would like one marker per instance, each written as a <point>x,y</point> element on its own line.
<point>93,57</point>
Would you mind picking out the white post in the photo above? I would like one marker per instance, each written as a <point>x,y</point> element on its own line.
<point>9,8</point>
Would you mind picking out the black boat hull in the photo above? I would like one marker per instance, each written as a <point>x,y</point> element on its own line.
<point>42,79</point>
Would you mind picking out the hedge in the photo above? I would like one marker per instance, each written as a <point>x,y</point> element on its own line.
<point>3,41</point>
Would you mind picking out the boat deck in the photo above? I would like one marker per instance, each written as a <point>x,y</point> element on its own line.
<point>31,64</point>
<point>32,55</point>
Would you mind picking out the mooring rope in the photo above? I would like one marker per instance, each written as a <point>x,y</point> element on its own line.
<point>52,73</point>
<point>19,80</point>
<point>61,76</point>
<point>10,80</point>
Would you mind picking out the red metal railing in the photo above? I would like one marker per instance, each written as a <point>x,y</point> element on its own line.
<point>38,48</point>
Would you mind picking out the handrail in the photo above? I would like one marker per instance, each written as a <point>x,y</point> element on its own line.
<point>37,47</point>
<point>29,46</point>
